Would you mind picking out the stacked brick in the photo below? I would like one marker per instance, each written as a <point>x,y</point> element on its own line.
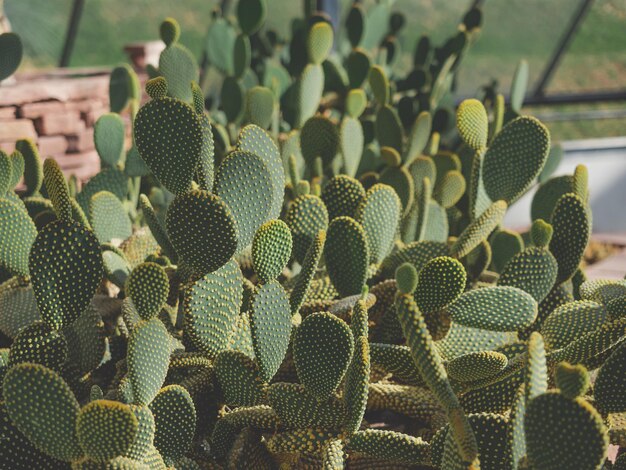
<point>58,111</point>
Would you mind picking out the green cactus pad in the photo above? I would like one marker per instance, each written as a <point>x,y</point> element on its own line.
<point>233,99</point>
<point>306,216</point>
<point>123,88</point>
<point>44,409</point>
<point>504,245</point>
<point>609,384</point>
<point>441,281</point>
<point>515,158</point>
<point>416,253</point>
<point>450,189</point>
<point>108,137</point>
<point>534,270</point>
<point>379,213</point>
<point>202,229</point>
<point>244,183</point>
<point>260,106</point>
<point>388,128</point>
<point>391,446</point>
<point>420,133</point>
<point>401,181</point>
<point>156,228</point>
<point>322,350</point>
<point>347,254</point>
<point>109,218</point>
<point>169,137</point>
<point>379,84</point>
<point>603,290</point>
<point>319,42</point>
<point>105,429</point>
<point>562,433</point>
<point>357,382</point>
<point>309,89</point>
<point>271,249</point>
<point>11,51</point>
<point>307,440</point>
<point>175,422</point>
<point>358,66</point>
<point>309,267</point>
<point>397,360</point>
<point>356,102</point>
<point>169,31</point>
<point>476,366</point>
<point>471,120</point>
<point>572,381</point>
<point>496,308</point>
<point>178,66</point>
<point>572,228</point>
<point>17,235</point>
<point>148,359</point>
<point>270,322</point>
<point>17,296</point>
<point>351,144</point>
<point>33,176</point>
<point>571,321</point>
<point>39,344</point>
<point>298,408</point>
<point>255,140</point>
<point>57,189</point>
<point>239,379</point>
<point>251,15</point>
<point>478,230</point>
<point>211,308</point>
<point>342,195</point>
<point>319,137</point>
<point>109,179</point>
<point>148,287</point>
<point>17,168</point>
<point>86,341</point>
<point>548,194</point>
<point>66,268</point>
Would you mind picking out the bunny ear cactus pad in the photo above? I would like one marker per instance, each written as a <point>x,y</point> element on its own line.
<point>309,267</point>
<point>473,125</point>
<point>109,137</point>
<point>106,429</point>
<point>572,228</point>
<point>271,249</point>
<point>392,446</point>
<point>148,286</point>
<point>17,235</point>
<point>123,88</point>
<point>33,176</point>
<point>251,15</point>
<point>244,183</point>
<point>109,218</point>
<point>39,344</point>
<point>239,379</point>
<point>322,350</point>
<point>478,230</point>
<point>170,139</point>
<point>156,228</point>
<point>495,308</point>
<point>175,422</point>
<point>346,253</point>
<point>319,138</point>
<point>562,433</point>
<point>270,322</point>
<point>148,359</point>
<point>44,409</point>
<point>572,381</point>
<point>11,51</point>
<point>379,213</point>
<point>57,189</point>
<point>178,66</point>
<point>306,216</point>
<point>357,384</point>
<point>202,229</point>
<point>319,42</point>
<point>211,307</point>
<point>515,158</point>
<point>260,106</point>
<point>255,140</point>
<point>476,366</point>
<point>66,268</point>
<point>441,281</point>
<point>609,384</point>
<point>342,196</point>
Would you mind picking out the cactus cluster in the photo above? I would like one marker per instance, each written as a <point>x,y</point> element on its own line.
<point>310,273</point>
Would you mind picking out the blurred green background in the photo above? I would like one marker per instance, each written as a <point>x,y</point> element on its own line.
<point>513,29</point>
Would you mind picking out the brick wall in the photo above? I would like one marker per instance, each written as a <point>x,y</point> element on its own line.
<point>58,111</point>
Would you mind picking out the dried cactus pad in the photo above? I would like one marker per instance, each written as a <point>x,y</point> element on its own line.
<point>322,350</point>
<point>202,229</point>
<point>169,137</point>
<point>44,409</point>
<point>66,268</point>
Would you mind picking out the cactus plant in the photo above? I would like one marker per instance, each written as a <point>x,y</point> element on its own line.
<point>319,251</point>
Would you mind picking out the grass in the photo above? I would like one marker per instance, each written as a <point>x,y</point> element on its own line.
<point>513,30</point>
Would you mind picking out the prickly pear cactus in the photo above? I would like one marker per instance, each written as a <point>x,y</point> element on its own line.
<point>298,258</point>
